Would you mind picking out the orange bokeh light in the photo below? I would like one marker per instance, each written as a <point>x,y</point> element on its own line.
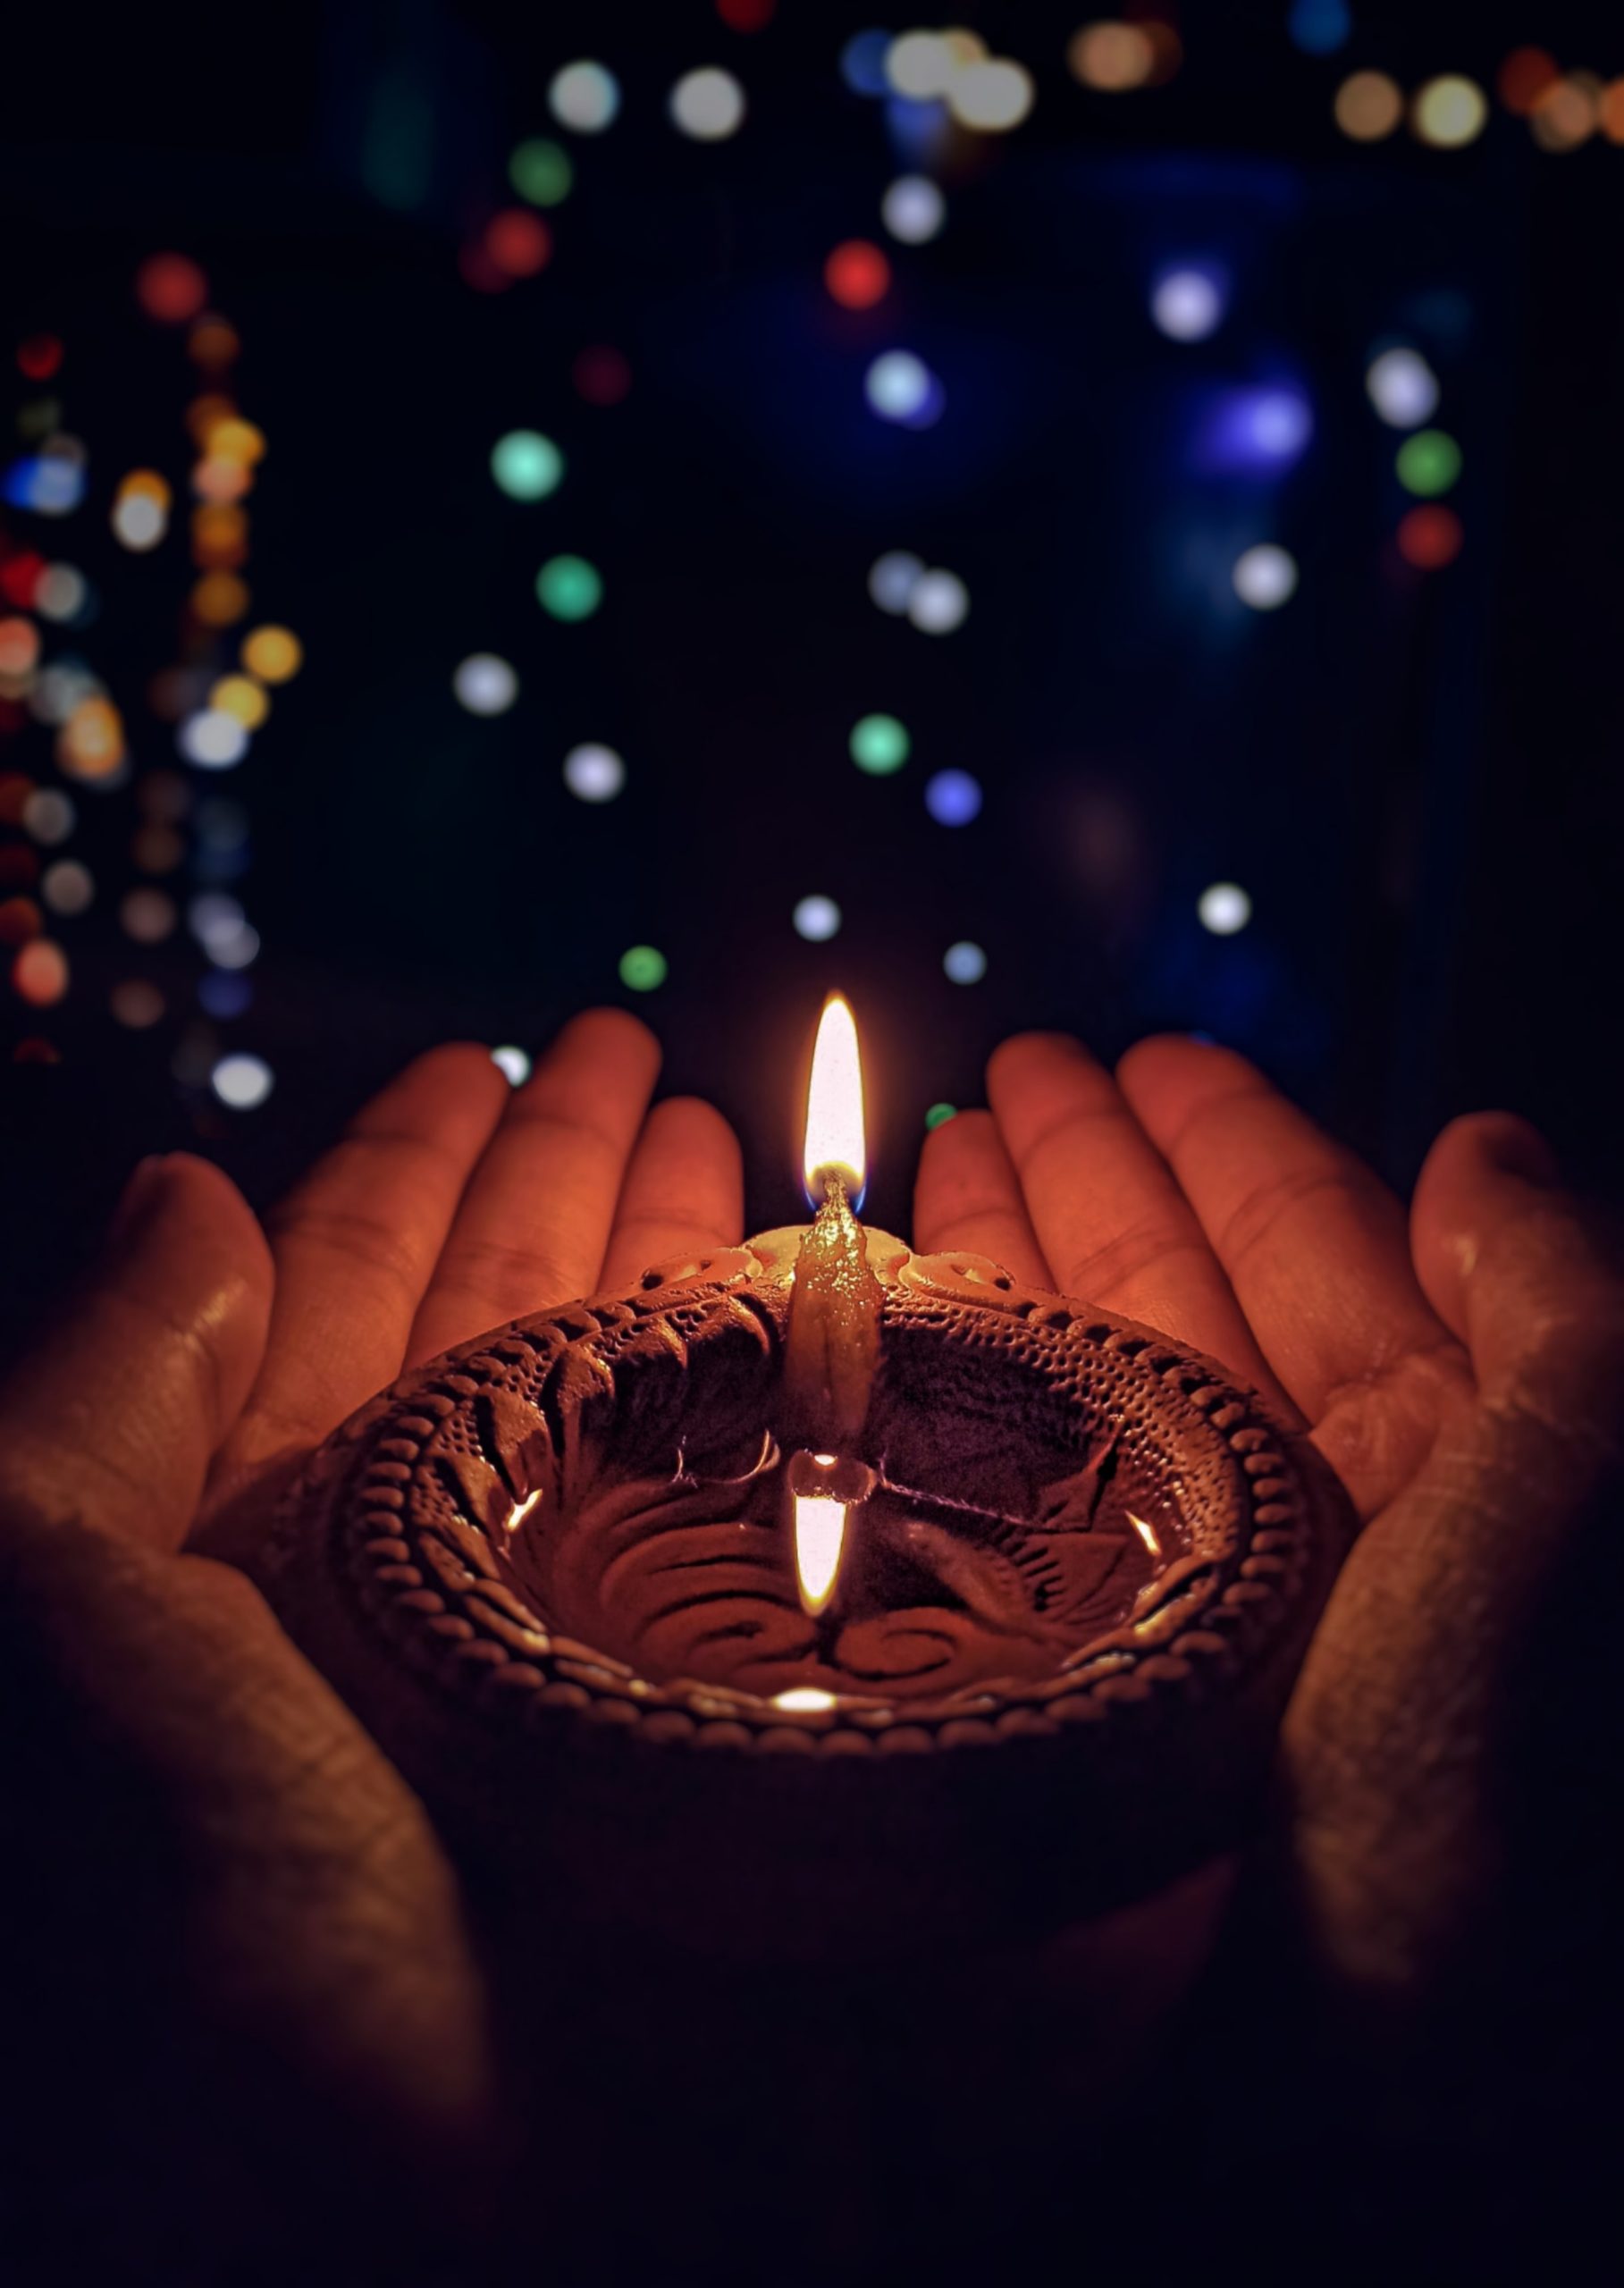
<point>220,536</point>
<point>220,599</point>
<point>857,274</point>
<point>18,646</point>
<point>90,744</point>
<point>39,974</point>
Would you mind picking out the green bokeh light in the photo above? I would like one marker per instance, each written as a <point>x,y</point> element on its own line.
<point>569,587</point>
<point>526,465</point>
<point>643,967</point>
<point>540,171</point>
<point>937,1114</point>
<point>1428,463</point>
<point>880,744</point>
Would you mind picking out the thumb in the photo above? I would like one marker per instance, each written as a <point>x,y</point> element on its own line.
<point>111,1418</point>
<point>1509,1261</point>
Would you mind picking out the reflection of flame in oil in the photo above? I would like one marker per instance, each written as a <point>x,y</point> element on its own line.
<point>834,1105</point>
<point>819,1537</point>
<point>804,1700</point>
<point>1147,1534</point>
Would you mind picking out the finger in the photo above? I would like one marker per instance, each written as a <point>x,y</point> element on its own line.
<point>1114,1225</point>
<point>684,1192</point>
<point>1509,1262</point>
<point>356,1245</point>
<point>112,1419</point>
<point>536,1217</point>
<point>1315,1250</point>
<point>967,1200</point>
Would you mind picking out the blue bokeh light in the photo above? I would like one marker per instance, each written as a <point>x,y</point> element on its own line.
<point>953,797</point>
<point>1319,27</point>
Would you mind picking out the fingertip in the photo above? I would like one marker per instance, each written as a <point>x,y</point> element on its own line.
<point>693,1124</point>
<point>1164,1065</point>
<point>607,1027</point>
<point>1024,1054</point>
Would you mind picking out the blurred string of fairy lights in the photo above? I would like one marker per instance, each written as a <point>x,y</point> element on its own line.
<point>78,749</point>
<point>939,94</point>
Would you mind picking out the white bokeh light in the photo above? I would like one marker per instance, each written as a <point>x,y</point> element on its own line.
<point>213,739</point>
<point>242,1081</point>
<point>513,1062</point>
<point>938,602</point>
<point>585,96</point>
<point>1265,576</point>
<point>1403,388</point>
<point>966,963</point>
<point>485,685</point>
<point>1186,305</point>
<point>920,66</point>
<point>901,387</point>
<point>891,579</point>
<point>912,209</point>
<point>49,815</point>
<point>62,592</point>
<point>594,774</point>
<point>709,106</point>
<point>67,886</point>
<point>1224,907</point>
<point>992,95</point>
<point>817,919</point>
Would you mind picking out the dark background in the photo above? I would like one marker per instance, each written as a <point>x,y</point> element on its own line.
<point>1411,772</point>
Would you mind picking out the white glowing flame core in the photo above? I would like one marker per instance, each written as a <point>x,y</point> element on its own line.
<point>834,1101</point>
<point>819,1537</point>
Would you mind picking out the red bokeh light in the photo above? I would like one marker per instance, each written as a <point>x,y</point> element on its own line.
<point>20,577</point>
<point>1430,537</point>
<point>21,920</point>
<point>1524,77</point>
<point>480,271</point>
<point>519,243</point>
<point>170,288</point>
<point>746,15</point>
<point>857,274</point>
<point>601,375</point>
<point>39,357</point>
<point>19,866</point>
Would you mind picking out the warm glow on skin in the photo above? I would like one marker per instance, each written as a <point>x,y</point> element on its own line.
<point>819,1538</point>
<point>834,1103</point>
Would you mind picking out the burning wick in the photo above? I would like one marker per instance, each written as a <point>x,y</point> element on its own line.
<point>831,1349</point>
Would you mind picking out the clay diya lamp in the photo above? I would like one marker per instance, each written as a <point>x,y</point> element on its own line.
<point>818,1597</point>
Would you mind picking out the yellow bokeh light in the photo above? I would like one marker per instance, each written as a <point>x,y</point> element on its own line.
<point>1369,105</point>
<point>90,744</point>
<point>236,439</point>
<point>220,598</point>
<point>1449,111</point>
<point>144,484</point>
<point>274,654</point>
<point>1111,57</point>
<point>241,697</point>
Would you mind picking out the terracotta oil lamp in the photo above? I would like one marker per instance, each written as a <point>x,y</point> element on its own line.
<point>849,1598</point>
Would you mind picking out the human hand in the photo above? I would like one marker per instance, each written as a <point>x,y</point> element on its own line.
<point>1462,1378</point>
<point>263,1995</point>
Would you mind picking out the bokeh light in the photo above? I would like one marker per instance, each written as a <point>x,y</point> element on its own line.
<point>964,962</point>
<point>746,15</point>
<point>18,646</point>
<point>39,357</point>
<point>170,288</point>
<point>953,797</point>
<point>1430,537</point>
<point>601,375</point>
<point>584,96</point>
<point>644,968</point>
<point>862,63</point>
<point>213,738</point>
<point>49,815</point>
<point>901,388</point>
<point>1428,463</point>
<point>137,1002</point>
<point>220,599</point>
<point>224,993</point>
<point>568,587</point>
<point>880,744</point>
<point>708,104</point>
<point>1111,57</point>
<point>1187,304</point>
<point>90,744</point>
<point>1524,77</point>
<point>527,466</point>
<point>1569,111</point>
<point>1319,27</point>
<point>62,593</point>
<point>1403,388</point>
<point>513,1062</point>
<point>148,916</point>
<point>517,242</point>
<point>39,973</point>
<point>857,274</point>
<point>274,654</point>
<point>1265,576</point>
<point>920,66</point>
<point>541,171</point>
<point>1449,111</point>
<point>67,887</point>
<point>485,683</point>
<point>243,698</point>
<point>940,1113</point>
<point>913,210</point>
<point>991,95</point>
<point>938,602</point>
<point>1368,106</point>
<point>891,579</point>
<point>1224,907</point>
<point>816,918</point>
<point>241,1081</point>
<point>593,773</point>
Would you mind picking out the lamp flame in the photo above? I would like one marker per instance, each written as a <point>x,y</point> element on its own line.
<point>819,1537</point>
<point>834,1142</point>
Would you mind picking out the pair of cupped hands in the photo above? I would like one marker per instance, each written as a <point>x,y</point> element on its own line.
<point>222,1827</point>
